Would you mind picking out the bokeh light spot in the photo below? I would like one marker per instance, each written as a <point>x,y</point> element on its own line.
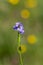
<point>25,14</point>
<point>32,39</point>
<point>14,2</point>
<point>30,3</point>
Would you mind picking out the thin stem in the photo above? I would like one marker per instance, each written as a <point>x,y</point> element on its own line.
<point>21,62</point>
<point>18,39</point>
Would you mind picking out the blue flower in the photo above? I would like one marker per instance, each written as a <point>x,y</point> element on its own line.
<point>19,27</point>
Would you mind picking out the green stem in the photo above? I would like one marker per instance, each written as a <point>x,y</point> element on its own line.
<point>18,39</point>
<point>21,62</point>
<point>21,59</point>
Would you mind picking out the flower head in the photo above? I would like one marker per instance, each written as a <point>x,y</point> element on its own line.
<point>19,27</point>
<point>22,49</point>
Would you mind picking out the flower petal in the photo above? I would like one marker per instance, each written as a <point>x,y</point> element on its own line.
<point>15,27</point>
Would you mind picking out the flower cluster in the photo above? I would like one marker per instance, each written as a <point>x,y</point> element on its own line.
<point>19,27</point>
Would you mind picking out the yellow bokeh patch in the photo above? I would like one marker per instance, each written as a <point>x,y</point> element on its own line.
<point>14,2</point>
<point>31,39</point>
<point>31,3</point>
<point>25,13</point>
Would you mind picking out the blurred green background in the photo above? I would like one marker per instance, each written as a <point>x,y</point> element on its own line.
<point>9,15</point>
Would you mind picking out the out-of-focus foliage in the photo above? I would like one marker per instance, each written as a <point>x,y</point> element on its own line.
<point>30,13</point>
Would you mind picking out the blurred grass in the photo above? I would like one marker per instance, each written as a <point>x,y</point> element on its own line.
<point>9,15</point>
